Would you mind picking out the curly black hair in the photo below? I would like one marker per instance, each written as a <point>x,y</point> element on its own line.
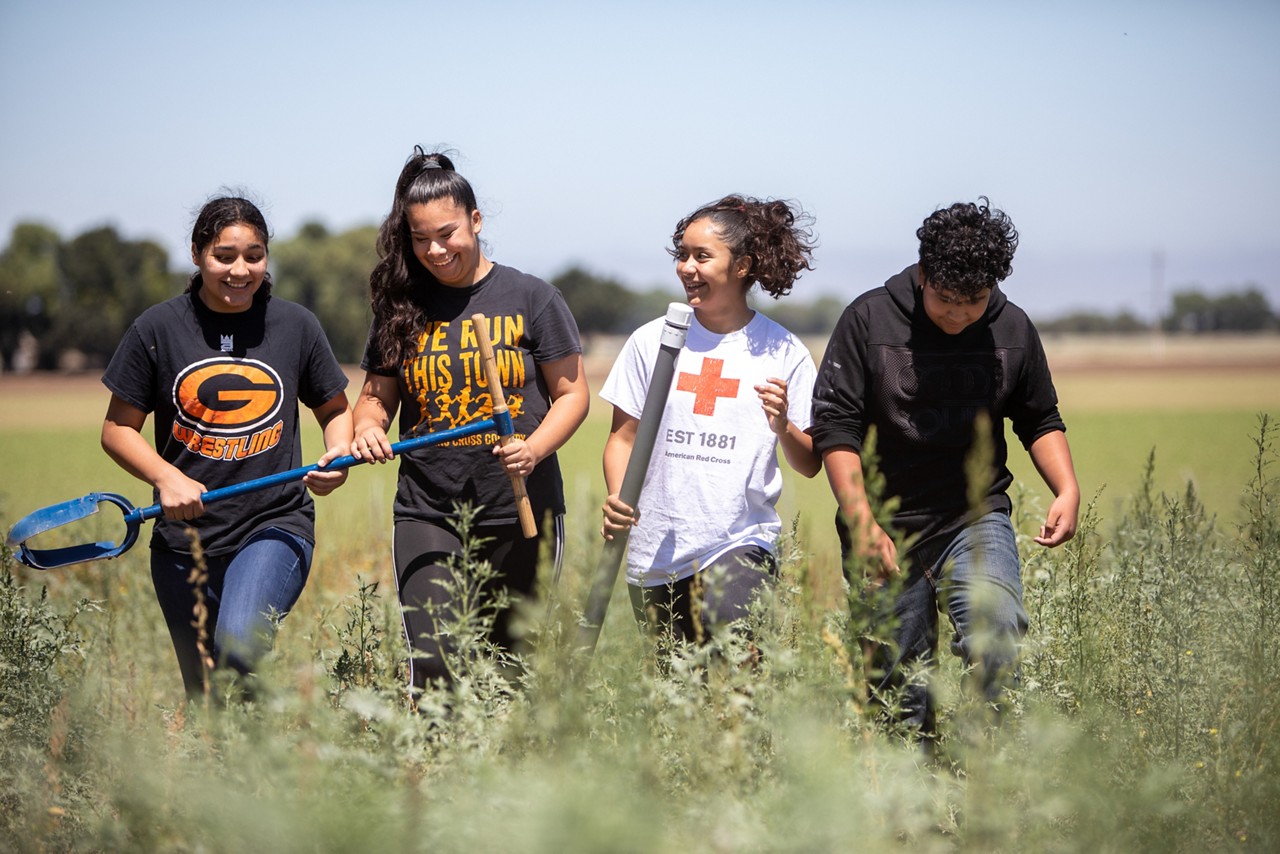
<point>774,235</point>
<point>967,248</point>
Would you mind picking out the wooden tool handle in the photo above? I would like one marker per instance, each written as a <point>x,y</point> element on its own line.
<point>525,510</point>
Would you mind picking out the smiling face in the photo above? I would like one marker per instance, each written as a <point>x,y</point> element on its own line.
<point>231,268</point>
<point>712,277</point>
<point>446,239</point>
<point>951,312</point>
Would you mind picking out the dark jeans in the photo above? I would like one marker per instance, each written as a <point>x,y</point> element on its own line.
<point>977,580</point>
<point>726,588</point>
<point>243,588</point>
<point>422,551</point>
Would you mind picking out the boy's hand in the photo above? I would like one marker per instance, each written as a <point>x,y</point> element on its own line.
<point>876,546</point>
<point>880,546</point>
<point>1060,523</point>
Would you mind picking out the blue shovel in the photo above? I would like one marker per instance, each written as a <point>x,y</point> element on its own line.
<point>57,515</point>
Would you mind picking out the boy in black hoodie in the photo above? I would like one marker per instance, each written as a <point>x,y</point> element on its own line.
<point>929,359</point>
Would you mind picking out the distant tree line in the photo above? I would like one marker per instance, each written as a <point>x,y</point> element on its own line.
<point>603,305</point>
<point>1191,311</point>
<point>1243,311</point>
<point>66,303</point>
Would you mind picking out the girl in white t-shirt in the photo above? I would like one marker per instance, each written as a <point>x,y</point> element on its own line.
<point>704,533</point>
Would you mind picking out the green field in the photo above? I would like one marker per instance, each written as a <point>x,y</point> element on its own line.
<point>1148,718</point>
<point>1199,423</point>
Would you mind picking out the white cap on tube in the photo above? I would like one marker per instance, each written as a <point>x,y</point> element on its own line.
<point>680,314</point>
<point>676,329</point>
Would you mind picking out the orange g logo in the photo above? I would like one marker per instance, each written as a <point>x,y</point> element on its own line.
<point>225,395</point>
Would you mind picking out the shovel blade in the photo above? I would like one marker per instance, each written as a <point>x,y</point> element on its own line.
<point>54,516</point>
<point>57,515</point>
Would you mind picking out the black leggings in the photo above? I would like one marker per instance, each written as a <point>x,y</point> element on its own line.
<point>726,587</point>
<point>422,551</point>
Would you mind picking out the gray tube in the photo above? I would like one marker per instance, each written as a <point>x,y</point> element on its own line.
<point>674,333</point>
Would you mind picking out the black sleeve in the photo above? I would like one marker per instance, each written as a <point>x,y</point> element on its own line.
<point>555,330</point>
<point>839,396</point>
<point>1033,411</point>
<point>130,375</point>
<point>322,378</point>
<point>371,355</point>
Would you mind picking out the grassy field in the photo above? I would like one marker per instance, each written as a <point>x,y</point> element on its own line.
<point>1148,719</point>
<point>1197,419</point>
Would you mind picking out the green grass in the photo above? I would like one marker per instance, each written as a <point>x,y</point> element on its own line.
<point>1149,717</point>
<point>1198,422</point>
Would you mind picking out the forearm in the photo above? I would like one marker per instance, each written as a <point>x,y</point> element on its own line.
<point>844,473</point>
<point>336,423</point>
<point>570,399</point>
<point>133,453</point>
<point>617,453</point>
<point>368,415</point>
<point>797,449</point>
<point>565,416</point>
<point>376,404</point>
<point>1052,458</point>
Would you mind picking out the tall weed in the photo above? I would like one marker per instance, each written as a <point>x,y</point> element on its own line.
<point>1147,719</point>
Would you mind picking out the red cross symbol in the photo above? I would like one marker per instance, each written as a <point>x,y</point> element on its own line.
<point>707,386</point>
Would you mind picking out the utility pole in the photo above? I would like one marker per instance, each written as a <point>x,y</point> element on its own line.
<point>1157,301</point>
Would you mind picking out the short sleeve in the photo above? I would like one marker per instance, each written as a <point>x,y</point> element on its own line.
<point>800,388</point>
<point>627,385</point>
<point>131,373</point>
<point>839,395</point>
<point>555,330</point>
<point>322,377</point>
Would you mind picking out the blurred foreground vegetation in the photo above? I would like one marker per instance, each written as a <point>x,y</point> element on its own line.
<point>1148,717</point>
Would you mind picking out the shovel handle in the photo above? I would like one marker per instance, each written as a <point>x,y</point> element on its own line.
<point>57,515</point>
<point>344,462</point>
<point>501,415</point>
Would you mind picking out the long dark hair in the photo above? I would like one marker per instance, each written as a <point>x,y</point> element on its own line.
<point>395,291</point>
<point>775,236</point>
<point>223,212</point>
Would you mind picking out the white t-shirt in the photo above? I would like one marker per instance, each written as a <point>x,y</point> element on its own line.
<point>713,480</point>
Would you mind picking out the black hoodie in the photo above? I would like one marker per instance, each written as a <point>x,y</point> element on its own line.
<point>888,366</point>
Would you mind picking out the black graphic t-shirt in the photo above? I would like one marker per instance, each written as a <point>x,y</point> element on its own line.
<point>224,391</point>
<point>443,385</point>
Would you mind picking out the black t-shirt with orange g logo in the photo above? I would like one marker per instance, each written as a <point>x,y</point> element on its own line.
<point>223,389</point>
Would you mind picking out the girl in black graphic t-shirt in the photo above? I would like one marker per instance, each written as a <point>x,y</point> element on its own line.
<point>422,360</point>
<point>223,368</point>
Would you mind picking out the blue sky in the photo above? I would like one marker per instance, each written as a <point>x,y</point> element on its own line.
<point>1109,131</point>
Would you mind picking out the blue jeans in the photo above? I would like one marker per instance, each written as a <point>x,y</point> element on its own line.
<point>977,580</point>
<point>243,588</point>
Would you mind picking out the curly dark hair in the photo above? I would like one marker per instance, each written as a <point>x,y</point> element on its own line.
<point>395,285</point>
<point>775,236</point>
<point>967,248</point>
<point>223,212</point>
